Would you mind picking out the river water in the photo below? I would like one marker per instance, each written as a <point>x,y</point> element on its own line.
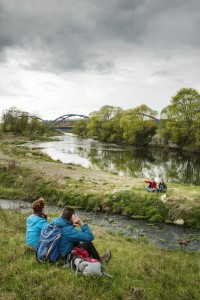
<point>139,162</point>
<point>162,235</point>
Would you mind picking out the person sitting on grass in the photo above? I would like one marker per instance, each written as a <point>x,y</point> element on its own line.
<point>152,185</point>
<point>162,187</point>
<point>35,223</point>
<point>72,237</point>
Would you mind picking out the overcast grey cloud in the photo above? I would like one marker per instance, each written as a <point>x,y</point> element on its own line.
<point>63,56</point>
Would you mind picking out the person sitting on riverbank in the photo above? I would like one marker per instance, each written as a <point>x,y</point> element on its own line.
<point>35,223</point>
<point>162,187</point>
<point>152,185</point>
<point>72,237</point>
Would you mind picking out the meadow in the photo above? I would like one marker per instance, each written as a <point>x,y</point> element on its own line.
<point>139,270</point>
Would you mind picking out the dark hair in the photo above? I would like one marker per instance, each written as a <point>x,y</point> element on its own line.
<point>67,213</point>
<point>38,205</point>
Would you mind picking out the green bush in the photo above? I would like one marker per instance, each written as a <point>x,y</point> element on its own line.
<point>52,194</point>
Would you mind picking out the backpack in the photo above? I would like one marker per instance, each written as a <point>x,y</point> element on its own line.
<point>47,250</point>
<point>81,261</point>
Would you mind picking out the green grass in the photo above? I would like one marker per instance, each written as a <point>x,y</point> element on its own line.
<point>139,270</point>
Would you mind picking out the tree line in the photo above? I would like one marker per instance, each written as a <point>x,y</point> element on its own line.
<point>179,123</point>
<point>19,122</point>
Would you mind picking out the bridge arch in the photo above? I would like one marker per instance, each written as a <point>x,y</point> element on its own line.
<point>149,116</point>
<point>31,117</point>
<point>64,117</point>
<point>38,118</point>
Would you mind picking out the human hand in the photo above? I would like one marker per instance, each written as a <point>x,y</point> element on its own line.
<point>76,220</point>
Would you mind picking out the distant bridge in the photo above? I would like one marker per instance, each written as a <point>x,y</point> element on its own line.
<point>149,116</point>
<point>31,117</point>
<point>142,114</point>
<point>60,122</point>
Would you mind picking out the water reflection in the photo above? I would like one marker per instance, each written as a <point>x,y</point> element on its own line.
<point>125,160</point>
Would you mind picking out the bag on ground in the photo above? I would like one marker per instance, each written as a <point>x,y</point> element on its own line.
<point>79,252</point>
<point>88,266</point>
<point>81,261</point>
<point>47,250</point>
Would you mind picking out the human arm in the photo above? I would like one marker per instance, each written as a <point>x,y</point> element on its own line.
<point>72,234</point>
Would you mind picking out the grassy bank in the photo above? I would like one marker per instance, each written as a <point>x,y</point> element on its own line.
<point>28,174</point>
<point>139,270</point>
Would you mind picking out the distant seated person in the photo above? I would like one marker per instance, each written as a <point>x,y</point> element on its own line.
<point>162,187</point>
<point>35,223</point>
<point>152,185</point>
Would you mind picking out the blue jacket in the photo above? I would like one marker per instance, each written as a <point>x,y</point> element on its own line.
<point>34,225</point>
<point>70,234</point>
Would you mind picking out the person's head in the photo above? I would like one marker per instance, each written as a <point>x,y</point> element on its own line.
<point>152,179</point>
<point>67,213</point>
<point>161,179</point>
<point>38,205</point>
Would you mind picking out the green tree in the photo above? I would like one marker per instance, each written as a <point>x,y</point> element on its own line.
<point>182,118</point>
<point>14,120</point>
<point>138,127</point>
<point>19,122</point>
<point>104,124</point>
<point>80,127</point>
<point>34,126</point>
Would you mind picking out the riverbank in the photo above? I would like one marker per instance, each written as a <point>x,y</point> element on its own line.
<point>27,174</point>
<point>139,269</point>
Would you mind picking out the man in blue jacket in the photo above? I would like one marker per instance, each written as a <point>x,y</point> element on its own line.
<point>72,237</point>
<point>35,223</point>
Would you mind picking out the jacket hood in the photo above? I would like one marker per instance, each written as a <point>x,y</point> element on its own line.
<point>33,219</point>
<point>60,222</point>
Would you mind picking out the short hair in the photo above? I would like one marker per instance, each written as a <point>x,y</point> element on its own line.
<point>67,213</point>
<point>38,205</point>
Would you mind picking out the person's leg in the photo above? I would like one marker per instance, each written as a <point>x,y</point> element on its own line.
<point>90,249</point>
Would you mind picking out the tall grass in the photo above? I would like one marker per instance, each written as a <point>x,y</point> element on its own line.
<point>139,270</point>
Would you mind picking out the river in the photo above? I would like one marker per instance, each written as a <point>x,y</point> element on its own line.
<point>162,235</point>
<point>138,162</point>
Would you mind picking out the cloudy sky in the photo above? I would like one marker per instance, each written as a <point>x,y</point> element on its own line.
<point>74,56</point>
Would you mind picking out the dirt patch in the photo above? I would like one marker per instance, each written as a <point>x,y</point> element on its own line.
<point>78,177</point>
